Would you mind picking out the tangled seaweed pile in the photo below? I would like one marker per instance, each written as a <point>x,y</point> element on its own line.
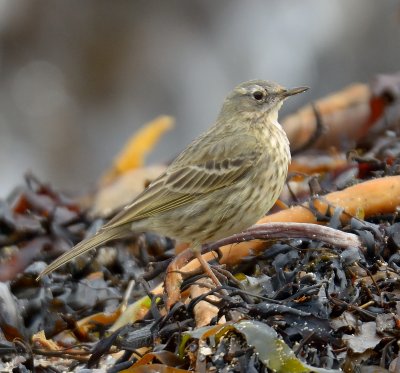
<point>293,302</point>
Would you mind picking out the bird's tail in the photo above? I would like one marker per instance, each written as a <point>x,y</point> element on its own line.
<point>99,238</point>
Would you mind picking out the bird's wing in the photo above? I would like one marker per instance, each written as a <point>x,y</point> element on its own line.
<point>208,164</point>
<point>180,185</point>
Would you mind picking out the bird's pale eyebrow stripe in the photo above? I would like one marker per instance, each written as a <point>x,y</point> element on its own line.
<point>243,91</point>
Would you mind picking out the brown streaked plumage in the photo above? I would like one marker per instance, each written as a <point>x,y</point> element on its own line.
<point>221,184</point>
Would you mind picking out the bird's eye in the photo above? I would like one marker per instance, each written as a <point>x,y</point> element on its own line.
<point>258,95</point>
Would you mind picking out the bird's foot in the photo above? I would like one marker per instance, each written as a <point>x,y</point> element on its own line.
<point>174,275</point>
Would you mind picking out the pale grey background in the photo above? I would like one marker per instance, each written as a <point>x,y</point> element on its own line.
<point>78,77</point>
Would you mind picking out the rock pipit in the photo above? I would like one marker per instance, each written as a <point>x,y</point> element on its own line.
<point>221,184</point>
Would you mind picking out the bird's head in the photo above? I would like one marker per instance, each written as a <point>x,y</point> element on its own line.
<point>257,97</point>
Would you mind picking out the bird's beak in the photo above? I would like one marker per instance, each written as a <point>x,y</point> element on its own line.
<point>294,91</point>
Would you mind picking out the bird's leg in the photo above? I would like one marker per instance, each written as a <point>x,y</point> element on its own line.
<point>173,277</point>
<point>206,267</point>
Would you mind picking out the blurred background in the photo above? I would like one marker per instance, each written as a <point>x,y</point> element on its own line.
<point>77,78</point>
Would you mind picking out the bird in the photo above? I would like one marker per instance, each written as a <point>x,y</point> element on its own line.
<point>220,184</point>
